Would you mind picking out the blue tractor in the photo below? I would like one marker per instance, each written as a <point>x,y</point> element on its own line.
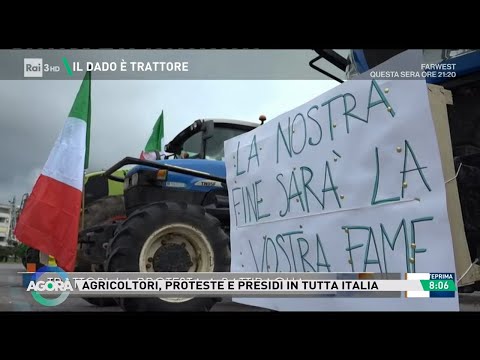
<point>460,75</point>
<point>177,214</point>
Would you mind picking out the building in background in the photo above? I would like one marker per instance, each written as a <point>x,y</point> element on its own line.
<point>7,223</point>
<point>5,218</point>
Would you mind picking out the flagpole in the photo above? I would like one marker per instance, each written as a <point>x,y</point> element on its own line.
<point>87,153</point>
<point>83,203</point>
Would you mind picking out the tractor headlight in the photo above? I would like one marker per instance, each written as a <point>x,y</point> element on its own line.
<point>134,180</point>
<point>452,53</point>
<point>162,174</point>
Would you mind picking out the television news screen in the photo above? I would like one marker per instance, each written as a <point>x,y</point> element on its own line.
<point>241,180</point>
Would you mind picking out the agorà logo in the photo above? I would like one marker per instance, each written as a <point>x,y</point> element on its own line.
<point>32,67</point>
<point>42,282</point>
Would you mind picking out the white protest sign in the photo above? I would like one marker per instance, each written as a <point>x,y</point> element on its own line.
<point>349,182</point>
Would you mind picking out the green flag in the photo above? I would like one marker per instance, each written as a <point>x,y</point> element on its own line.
<point>81,109</point>
<point>155,143</point>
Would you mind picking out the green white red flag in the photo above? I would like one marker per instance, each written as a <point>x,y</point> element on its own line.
<point>50,219</point>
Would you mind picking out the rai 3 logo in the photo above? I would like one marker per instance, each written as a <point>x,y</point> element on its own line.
<point>32,67</point>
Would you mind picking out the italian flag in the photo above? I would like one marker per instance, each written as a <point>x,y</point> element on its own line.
<point>154,147</point>
<point>50,219</point>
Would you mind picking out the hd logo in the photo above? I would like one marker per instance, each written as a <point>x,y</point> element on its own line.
<point>32,67</point>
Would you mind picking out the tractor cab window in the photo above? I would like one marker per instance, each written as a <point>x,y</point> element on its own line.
<point>193,146</point>
<point>214,146</point>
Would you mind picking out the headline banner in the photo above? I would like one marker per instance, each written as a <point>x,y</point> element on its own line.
<point>244,284</point>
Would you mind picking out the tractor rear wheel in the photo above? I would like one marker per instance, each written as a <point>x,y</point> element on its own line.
<point>169,237</point>
<point>101,211</point>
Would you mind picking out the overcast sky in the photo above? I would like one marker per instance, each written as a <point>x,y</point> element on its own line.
<point>123,114</point>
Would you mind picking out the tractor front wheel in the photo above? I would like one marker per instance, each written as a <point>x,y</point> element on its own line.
<point>169,237</point>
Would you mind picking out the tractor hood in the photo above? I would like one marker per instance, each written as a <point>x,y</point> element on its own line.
<point>188,182</point>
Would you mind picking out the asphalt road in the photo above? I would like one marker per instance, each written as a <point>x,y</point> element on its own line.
<point>13,297</point>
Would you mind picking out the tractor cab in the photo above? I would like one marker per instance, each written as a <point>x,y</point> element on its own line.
<point>193,172</point>
<point>204,138</point>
